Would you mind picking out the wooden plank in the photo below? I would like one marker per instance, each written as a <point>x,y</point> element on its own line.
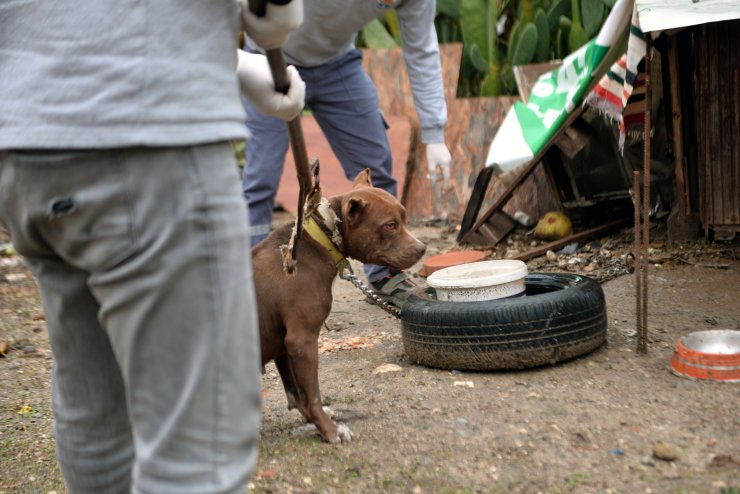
<point>736,131</point>
<point>576,237</point>
<point>527,170</point>
<point>724,202</point>
<point>731,184</point>
<point>495,229</point>
<point>705,137</point>
<point>677,119</point>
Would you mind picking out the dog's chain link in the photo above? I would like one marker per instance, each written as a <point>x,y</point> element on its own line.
<point>349,275</point>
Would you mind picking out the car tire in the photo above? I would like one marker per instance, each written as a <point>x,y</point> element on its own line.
<point>562,316</point>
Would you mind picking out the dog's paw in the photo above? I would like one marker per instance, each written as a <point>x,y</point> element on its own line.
<point>344,433</point>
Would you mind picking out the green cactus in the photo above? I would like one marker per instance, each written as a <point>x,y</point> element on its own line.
<point>559,8</point>
<point>491,84</point>
<point>535,30</point>
<point>592,13</point>
<point>481,42</point>
<point>514,38</point>
<point>542,53</point>
<point>375,35</point>
<point>526,11</point>
<point>577,36</point>
<point>390,19</point>
<point>526,45</point>
<point>450,8</point>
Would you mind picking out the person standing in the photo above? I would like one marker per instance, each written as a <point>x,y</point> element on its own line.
<point>118,188</point>
<point>344,102</point>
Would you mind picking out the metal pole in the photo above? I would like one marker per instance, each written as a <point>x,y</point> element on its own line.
<point>643,337</point>
<point>637,251</point>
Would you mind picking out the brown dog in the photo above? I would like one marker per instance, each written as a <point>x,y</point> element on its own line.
<point>366,224</point>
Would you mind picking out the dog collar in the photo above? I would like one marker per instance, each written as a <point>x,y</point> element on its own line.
<point>315,231</point>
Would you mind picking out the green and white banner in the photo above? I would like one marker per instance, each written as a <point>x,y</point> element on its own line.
<point>528,127</point>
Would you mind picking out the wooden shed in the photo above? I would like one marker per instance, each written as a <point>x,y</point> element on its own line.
<point>702,77</point>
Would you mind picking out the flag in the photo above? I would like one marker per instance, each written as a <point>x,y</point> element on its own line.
<point>620,94</point>
<point>528,127</point>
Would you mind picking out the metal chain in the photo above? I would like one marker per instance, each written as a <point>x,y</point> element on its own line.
<point>349,275</point>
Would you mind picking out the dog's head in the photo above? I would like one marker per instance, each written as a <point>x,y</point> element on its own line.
<point>375,228</point>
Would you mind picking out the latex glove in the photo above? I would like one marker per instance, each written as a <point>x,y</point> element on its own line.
<point>271,30</point>
<point>255,80</point>
<point>438,161</point>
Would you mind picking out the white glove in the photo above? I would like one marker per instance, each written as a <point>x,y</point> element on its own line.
<point>255,80</point>
<point>271,30</point>
<point>438,161</point>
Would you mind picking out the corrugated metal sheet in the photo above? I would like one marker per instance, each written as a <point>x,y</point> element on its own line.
<point>659,15</point>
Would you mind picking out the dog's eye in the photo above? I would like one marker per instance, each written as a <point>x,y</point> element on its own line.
<point>391,225</point>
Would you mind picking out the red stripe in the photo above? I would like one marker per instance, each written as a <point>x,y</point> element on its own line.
<point>608,95</point>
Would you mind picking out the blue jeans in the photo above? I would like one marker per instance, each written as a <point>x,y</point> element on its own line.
<point>344,102</point>
<point>142,259</point>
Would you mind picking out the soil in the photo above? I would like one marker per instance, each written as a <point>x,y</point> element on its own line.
<point>612,421</point>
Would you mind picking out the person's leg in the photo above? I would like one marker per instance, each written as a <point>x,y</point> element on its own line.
<point>93,435</point>
<point>161,235</point>
<point>344,102</point>
<point>266,150</point>
<point>186,333</point>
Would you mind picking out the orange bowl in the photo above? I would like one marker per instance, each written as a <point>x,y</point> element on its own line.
<point>441,261</point>
<point>712,355</point>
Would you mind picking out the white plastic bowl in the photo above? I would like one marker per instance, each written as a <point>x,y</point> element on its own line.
<point>478,281</point>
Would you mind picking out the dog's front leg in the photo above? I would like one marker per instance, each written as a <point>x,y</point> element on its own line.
<point>303,353</point>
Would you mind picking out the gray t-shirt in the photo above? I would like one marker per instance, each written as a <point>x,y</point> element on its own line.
<point>97,74</point>
<point>328,32</point>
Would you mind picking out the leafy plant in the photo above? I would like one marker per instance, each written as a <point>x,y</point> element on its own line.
<point>500,34</point>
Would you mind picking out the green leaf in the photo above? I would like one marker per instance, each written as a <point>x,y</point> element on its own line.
<point>508,79</point>
<point>558,9</point>
<point>491,85</point>
<point>592,12</point>
<point>390,19</point>
<point>526,11</point>
<point>449,7</point>
<point>477,59</point>
<point>376,36</point>
<point>565,23</point>
<point>526,47</point>
<point>474,26</point>
<point>514,39</point>
<point>577,36</point>
<point>561,42</point>
<point>542,53</point>
<point>610,3</point>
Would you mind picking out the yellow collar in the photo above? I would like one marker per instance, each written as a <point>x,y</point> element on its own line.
<point>317,233</point>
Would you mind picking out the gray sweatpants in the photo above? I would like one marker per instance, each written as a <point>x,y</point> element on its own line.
<point>142,259</point>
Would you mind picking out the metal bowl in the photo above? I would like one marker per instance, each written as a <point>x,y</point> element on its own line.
<point>715,341</point>
<point>712,355</point>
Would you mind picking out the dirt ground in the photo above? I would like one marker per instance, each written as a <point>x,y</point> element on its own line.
<point>603,423</point>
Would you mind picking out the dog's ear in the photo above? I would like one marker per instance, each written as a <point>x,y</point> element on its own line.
<point>363,179</point>
<point>352,209</point>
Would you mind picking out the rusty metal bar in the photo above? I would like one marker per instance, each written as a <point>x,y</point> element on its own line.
<point>637,251</point>
<point>642,337</point>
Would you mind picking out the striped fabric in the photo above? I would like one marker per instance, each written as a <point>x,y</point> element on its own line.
<point>529,127</point>
<point>620,94</point>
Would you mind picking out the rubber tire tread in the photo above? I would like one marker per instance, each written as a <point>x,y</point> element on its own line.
<point>562,317</point>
